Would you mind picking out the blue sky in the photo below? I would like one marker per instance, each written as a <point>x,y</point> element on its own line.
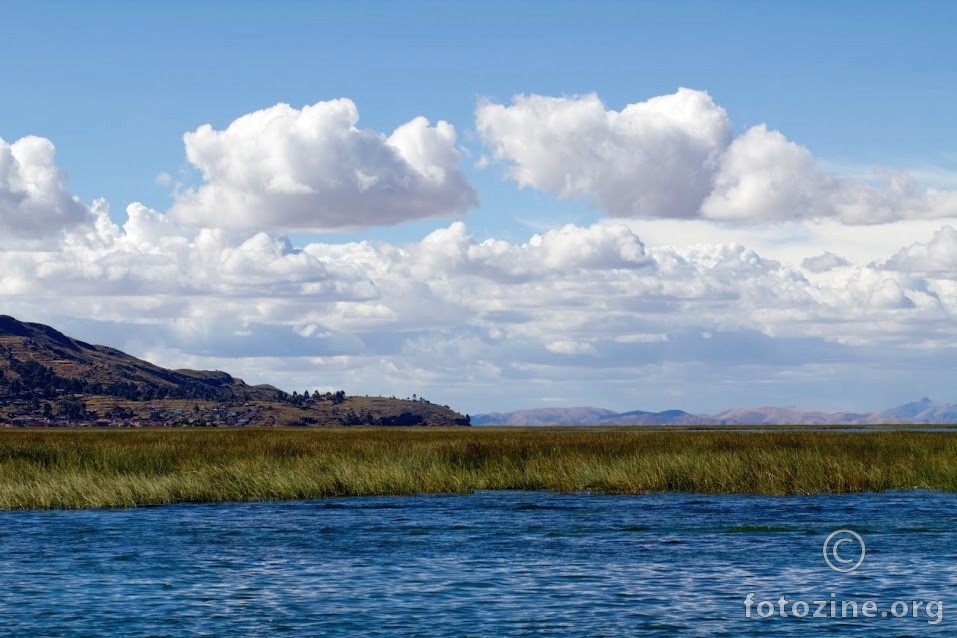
<point>852,96</point>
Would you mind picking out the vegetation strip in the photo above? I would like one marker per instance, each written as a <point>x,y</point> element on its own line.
<point>125,468</point>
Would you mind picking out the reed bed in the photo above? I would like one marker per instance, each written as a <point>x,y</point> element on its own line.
<point>80,469</point>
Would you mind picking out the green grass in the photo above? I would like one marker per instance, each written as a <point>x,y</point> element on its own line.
<point>75,469</point>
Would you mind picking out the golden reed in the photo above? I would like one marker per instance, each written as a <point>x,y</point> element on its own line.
<point>123,468</point>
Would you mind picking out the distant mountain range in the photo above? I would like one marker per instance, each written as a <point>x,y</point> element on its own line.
<point>923,411</point>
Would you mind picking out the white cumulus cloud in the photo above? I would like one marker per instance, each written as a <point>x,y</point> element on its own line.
<point>674,156</point>
<point>34,199</point>
<point>651,158</point>
<point>763,175</point>
<point>824,262</point>
<point>936,258</point>
<point>283,168</point>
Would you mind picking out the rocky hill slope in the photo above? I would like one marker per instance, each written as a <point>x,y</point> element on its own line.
<point>48,378</point>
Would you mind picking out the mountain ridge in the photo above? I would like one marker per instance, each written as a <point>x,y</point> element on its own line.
<point>924,411</point>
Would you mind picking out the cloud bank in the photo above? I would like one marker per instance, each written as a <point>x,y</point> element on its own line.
<point>674,156</point>
<point>573,311</point>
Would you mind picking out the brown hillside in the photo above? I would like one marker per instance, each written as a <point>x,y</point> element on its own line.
<point>48,378</point>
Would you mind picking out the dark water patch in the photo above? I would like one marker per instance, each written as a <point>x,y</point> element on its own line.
<point>762,529</point>
<point>635,528</point>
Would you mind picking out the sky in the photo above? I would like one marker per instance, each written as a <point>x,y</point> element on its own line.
<point>495,205</point>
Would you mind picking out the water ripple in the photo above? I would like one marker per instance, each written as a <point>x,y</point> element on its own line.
<point>489,563</point>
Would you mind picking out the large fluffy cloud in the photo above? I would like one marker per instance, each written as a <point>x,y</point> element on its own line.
<point>312,169</point>
<point>674,156</point>
<point>651,158</point>
<point>34,198</point>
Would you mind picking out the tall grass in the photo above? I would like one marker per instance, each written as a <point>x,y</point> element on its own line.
<point>74,469</point>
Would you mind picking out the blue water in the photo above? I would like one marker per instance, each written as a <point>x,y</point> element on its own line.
<point>485,564</point>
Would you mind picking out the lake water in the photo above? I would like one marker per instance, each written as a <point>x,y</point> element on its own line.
<point>484,564</point>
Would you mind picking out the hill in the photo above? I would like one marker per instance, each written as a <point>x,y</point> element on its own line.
<point>786,416</point>
<point>923,411</point>
<point>587,416</point>
<point>545,416</point>
<point>48,378</point>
